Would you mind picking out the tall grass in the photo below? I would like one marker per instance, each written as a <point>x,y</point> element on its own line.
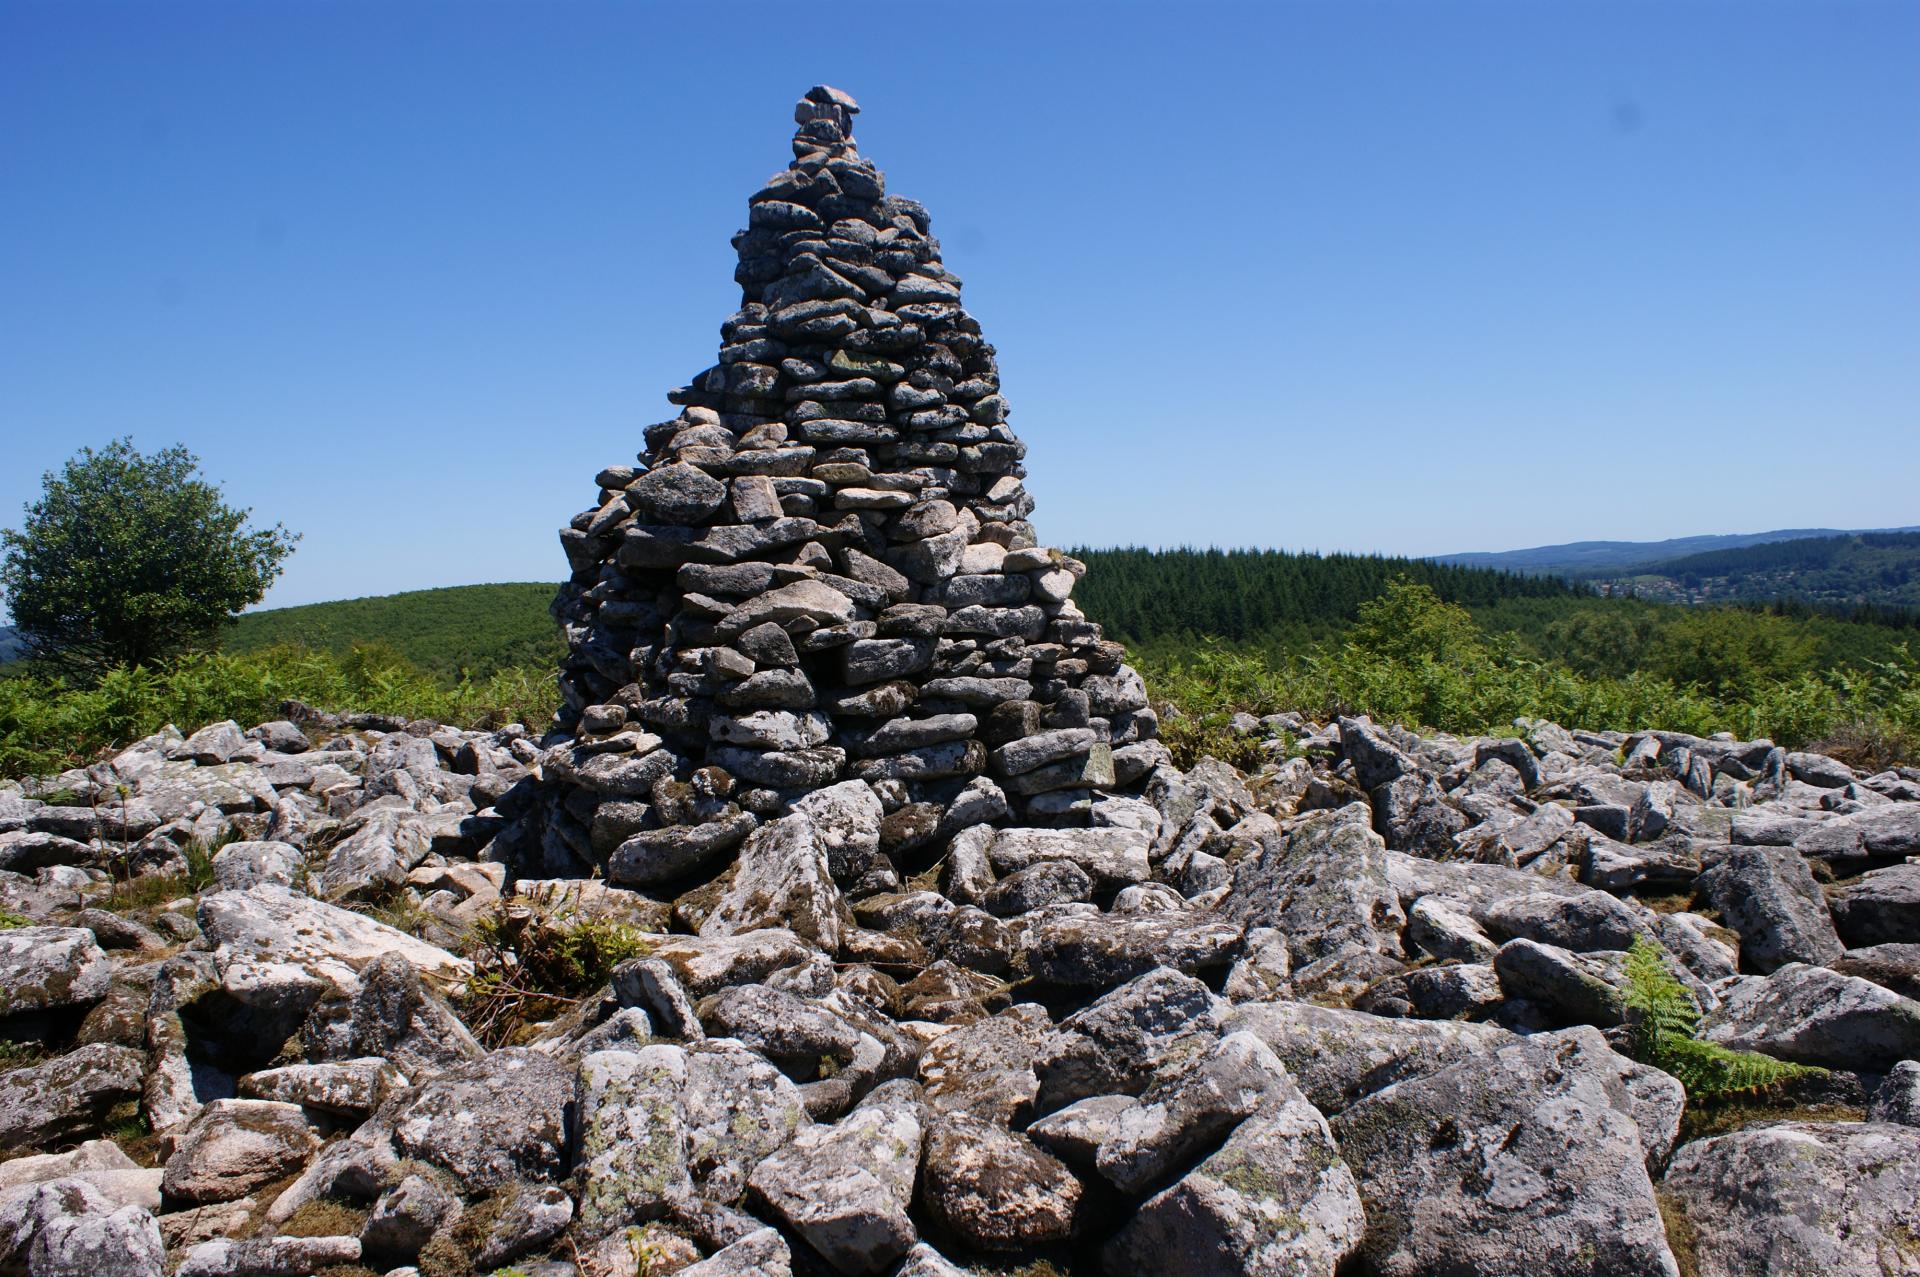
<point>47,724</point>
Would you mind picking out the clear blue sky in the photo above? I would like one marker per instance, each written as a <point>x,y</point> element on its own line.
<point>1413,279</point>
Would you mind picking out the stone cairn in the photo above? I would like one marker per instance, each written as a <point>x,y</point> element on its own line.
<point>822,571</point>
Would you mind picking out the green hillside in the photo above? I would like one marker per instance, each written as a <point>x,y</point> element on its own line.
<point>470,629</point>
<point>1864,569</point>
<point>1143,595</point>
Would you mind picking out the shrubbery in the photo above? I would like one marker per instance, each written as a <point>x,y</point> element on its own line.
<point>48,723</point>
<point>1414,659</point>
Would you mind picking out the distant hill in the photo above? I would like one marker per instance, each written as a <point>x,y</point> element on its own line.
<point>11,648</point>
<point>475,629</point>
<point>1866,569</point>
<point>1596,559</point>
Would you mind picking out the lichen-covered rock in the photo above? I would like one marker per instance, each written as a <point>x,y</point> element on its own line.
<point>1103,950</point>
<point>1117,1044</point>
<point>1275,1200</point>
<point>631,1147</point>
<point>1337,1056</point>
<point>1898,1099</point>
<point>993,1190</point>
<point>1880,907</point>
<point>1325,887</point>
<point>68,1097</point>
<point>987,1070</point>
<point>268,1257</point>
<point>1189,1108</point>
<point>1516,1160</point>
<point>45,968</point>
<point>1815,1016</point>
<point>845,1188</point>
<point>1768,895</point>
<point>758,1254</point>
<point>236,1146</point>
<point>347,1088</point>
<point>491,1122</point>
<point>782,879</point>
<point>739,1110</point>
<point>1801,1199</point>
<point>69,1227</point>
<point>271,925</point>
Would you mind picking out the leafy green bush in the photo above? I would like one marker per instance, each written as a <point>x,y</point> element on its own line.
<point>1414,659</point>
<point>129,558</point>
<point>48,723</point>
<point>1663,1024</point>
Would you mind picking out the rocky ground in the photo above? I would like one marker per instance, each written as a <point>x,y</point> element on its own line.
<point>1366,1009</point>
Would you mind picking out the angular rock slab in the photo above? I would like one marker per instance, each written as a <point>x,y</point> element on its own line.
<point>783,879</point>
<point>994,1190</point>
<point>845,1188</point>
<point>1811,1015</point>
<point>45,968</point>
<point>489,1123</point>
<point>1802,1199</point>
<point>1520,1161</point>
<point>1276,1200</point>
<point>270,925</point>
<point>631,1146</point>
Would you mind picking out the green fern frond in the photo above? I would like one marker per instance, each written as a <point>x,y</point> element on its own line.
<point>1663,1024</point>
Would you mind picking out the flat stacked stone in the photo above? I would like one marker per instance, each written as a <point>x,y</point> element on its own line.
<point>822,569</point>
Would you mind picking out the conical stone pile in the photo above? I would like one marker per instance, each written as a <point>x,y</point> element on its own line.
<point>822,571</point>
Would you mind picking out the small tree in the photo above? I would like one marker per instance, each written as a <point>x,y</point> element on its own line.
<point>127,559</point>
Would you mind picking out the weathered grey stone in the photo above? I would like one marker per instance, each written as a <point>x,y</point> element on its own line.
<point>631,1147</point>
<point>1112,857</point>
<point>846,819</point>
<point>1768,895</point>
<point>1898,1099</point>
<point>406,1217</point>
<point>268,1257</point>
<point>1101,951</point>
<point>845,1188</point>
<point>240,865</point>
<point>270,924</point>
<point>1191,1108</point>
<point>782,879</point>
<point>1049,882</point>
<point>68,1097</point>
<point>1814,1016</point>
<point>739,1109</point>
<point>491,1122</point>
<point>1800,1199</point>
<point>45,968</point>
<point>1880,907</point>
<point>236,1146</point>
<point>653,857</point>
<point>347,1088</point>
<point>675,494</point>
<point>1117,1044</point>
<point>1579,988</point>
<point>987,1069</point>
<point>759,1254</point>
<point>1337,1056</point>
<point>707,964</point>
<point>1325,887</point>
<point>1275,1200</point>
<point>1519,1160</point>
<point>993,1190</point>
